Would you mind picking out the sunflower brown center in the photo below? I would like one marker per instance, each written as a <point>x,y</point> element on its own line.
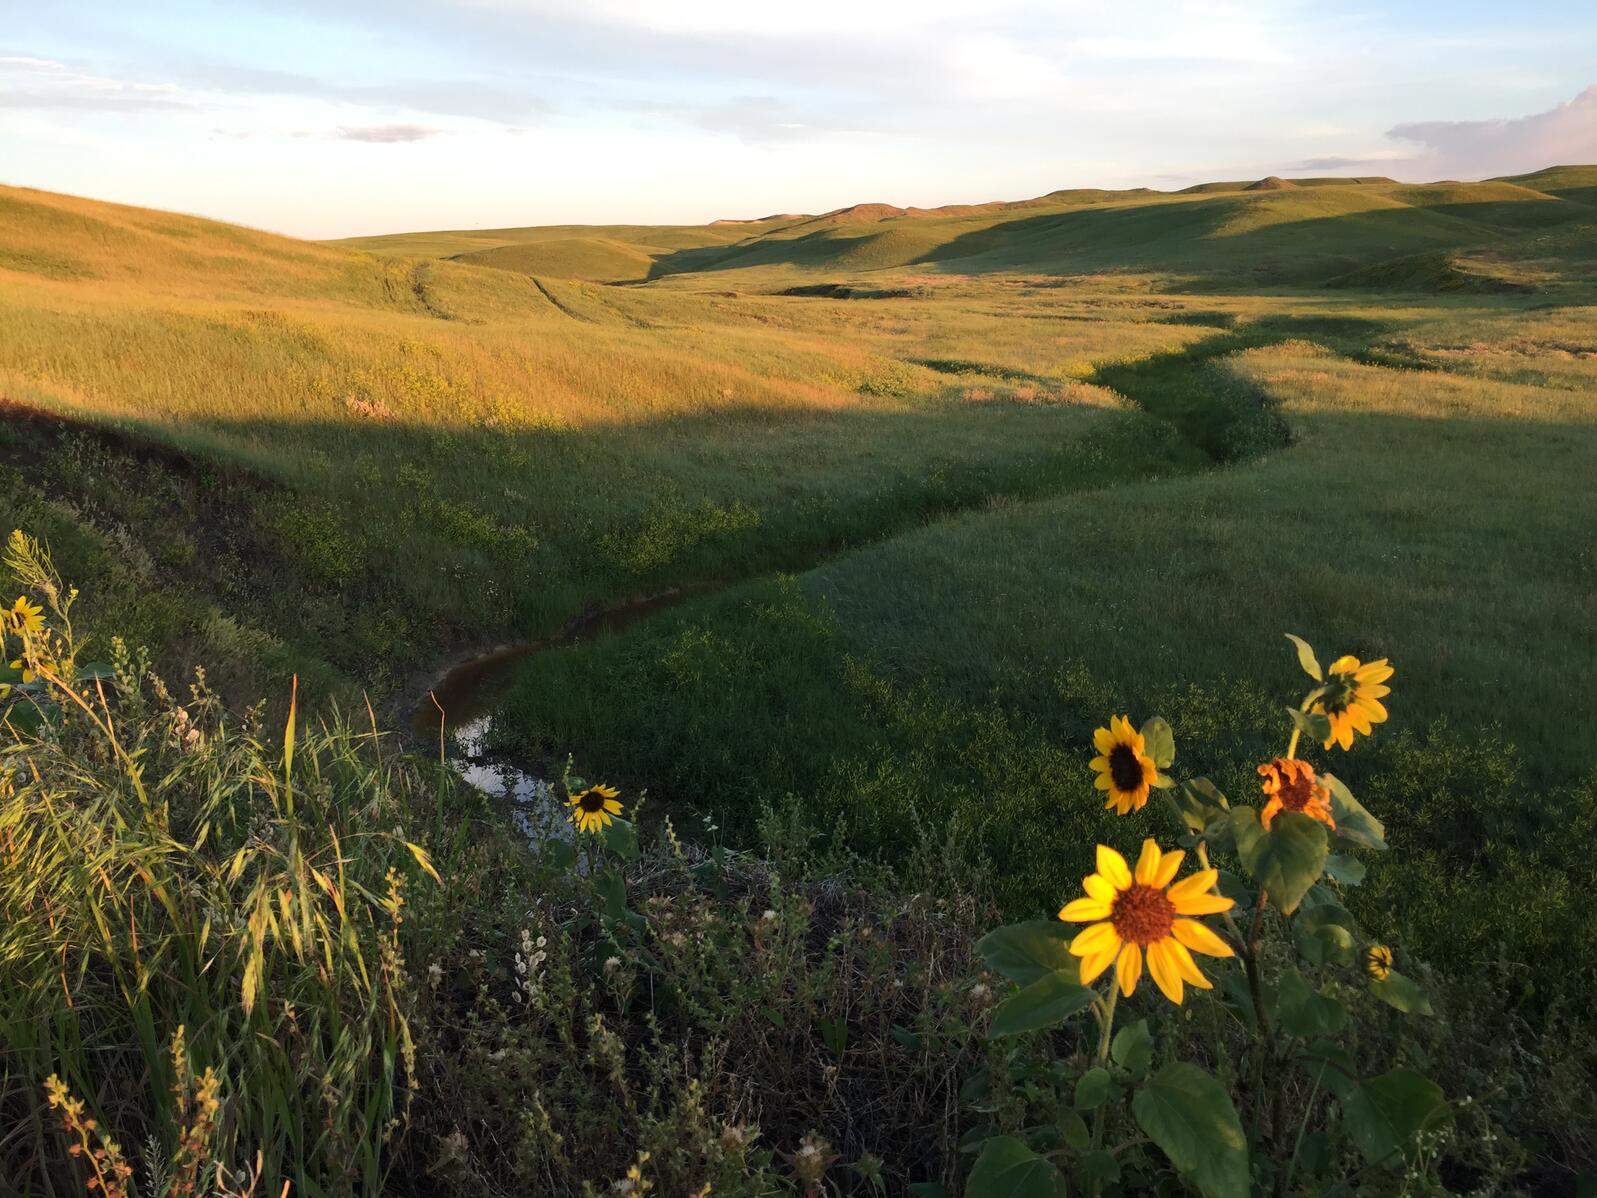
<point>1142,914</point>
<point>1125,771</point>
<point>591,801</point>
<point>1297,789</point>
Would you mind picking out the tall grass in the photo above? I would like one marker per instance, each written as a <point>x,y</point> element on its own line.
<point>192,921</point>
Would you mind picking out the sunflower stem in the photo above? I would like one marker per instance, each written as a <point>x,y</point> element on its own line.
<point>1106,1025</point>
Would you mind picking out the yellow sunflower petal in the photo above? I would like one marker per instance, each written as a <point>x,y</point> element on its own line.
<point>1203,904</point>
<point>1092,966</point>
<point>1102,782</point>
<point>1196,936</point>
<point>1103,740</point>
<point>1148,862</point>
<point>1199,882</point>
<point>1099,887</point>
<point>1094,939</point>
<point>1128,969</point>
<point>1186,966</point>
<point>1099,763</point>
<point>1165,974</point>
<point>1113,867</point>
<point>1168,865</point>
<point>1084,910</point>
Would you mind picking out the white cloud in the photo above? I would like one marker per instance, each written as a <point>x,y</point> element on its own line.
<point>387,134</point>
<point>1478,149</point>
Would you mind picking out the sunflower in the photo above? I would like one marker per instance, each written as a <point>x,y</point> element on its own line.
<point>1124,769</point>
<point>1378,962</point>
<point>1352,699</point>
<point>591,809</point>
<point>25,617</point>
<point>1132,912</point>
<point>27,674</point>
<point>1293,786</point>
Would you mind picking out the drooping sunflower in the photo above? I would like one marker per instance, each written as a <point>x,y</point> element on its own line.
<point>1124,768</point>
<point>1378,962</point>
<point>1293,785</point>
<point>1352,701</point>
<point>592,809</point>
<point>25,617</point>
<point>1139,912</point>
<point>27,674</point>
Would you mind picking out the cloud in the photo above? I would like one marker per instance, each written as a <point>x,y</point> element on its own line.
<point>387,134</point>
<point>1478,149</point>
<point>45,83</point>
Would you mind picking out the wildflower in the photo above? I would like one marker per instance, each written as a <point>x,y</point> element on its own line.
<point>435,974</point>
<point>1136,912</point>
<point>1124,769</point>
<point>27,674</point>
<point>592,809</point>
<point>980,991</point>
<point>25,617</point>
<point>1292,785</point>
<point>1352,699</point>
<point>1378,961</point>
<point>769,916</point>
<point>611,964</point>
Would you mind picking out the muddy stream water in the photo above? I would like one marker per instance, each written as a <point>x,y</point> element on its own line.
<point>456,712</point>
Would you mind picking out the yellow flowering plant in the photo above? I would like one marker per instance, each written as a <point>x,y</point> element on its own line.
<point>1275,1100</point>
<point>38,648</point>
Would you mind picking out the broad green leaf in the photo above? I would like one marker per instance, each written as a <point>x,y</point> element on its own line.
<point>1325,934</point>
<point>1025,952</point>
<point>1403,992</point>
<point>1099,1168</point>
<point>559,853</point>
<point>1305,1012</point>
<point>1200,803</point>
<point>1006,1168</point>
<point>1189,1115</point>
<point>834,1034</point>
<point>613,891</point>
<point>1073,1128</point>
<point>1132,1048</point>
<point>1159,741</point>
<point>1347,869</point>
<point>1051,998</point>
<point>1353,822</point>
<point>621,838</point>
<point>1313,724</point>
<point>1287,858</point>
<point>1385,1115</point>
<point>95,671</point>
<point>1331,1067</point>
<point>1306,658</point>
<point>1092,1089</point>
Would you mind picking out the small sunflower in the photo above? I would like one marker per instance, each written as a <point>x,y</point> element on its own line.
<point>27,674</point>
<point>25,617</point>
<point>592,809</point>
<point>1132,912</point>
<point>1124,768</point>
<point>1378,961</point>
<point>1293,786</point>
<point>1352,699</point>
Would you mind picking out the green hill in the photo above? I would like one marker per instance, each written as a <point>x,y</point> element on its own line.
<point>593,258</point>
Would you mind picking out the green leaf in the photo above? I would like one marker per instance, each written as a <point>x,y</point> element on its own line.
<point>834,1034</point>
<point>1189,1115</point>
<point>929,1189</point>
<point>1286,859</point>
<point>1403,992</point>
<point>1385,1115</point>
<point>288,730</point>
<point>1200,803</point>
<point>1315,725</point>
<point>1331,1068</point>
<point>1325,935</point>
<point>1051,998</point>
<point>1099,1168</point>
<point>1306,658</point>
<point>906,1037</point>
<point>1026,952</point>
<point>1303,1011</point>
<point>1073,1129</point>
<point>1159,741</point>
<point>559,853</point>
<point>613,892</point>
<point>1132,1048</point>
<point>1006,1168</point>
<point>1092,1089</point>
<point>1353,822</point>
<point>621,838</point>
<point>95,671</point>
<point>1345,868</point>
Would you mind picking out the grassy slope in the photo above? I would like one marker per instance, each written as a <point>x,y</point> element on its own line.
<point>450,454</point>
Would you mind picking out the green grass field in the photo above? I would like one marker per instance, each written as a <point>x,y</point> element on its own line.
<point>1017,463</point>
<point>939,490</point>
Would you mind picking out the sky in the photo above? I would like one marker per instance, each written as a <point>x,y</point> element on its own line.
<point>329,118</point>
